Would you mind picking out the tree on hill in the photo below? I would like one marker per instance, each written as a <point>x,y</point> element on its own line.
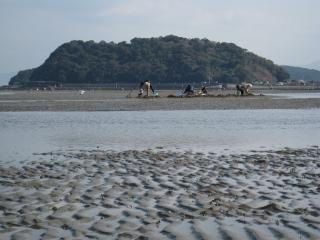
<point>169,59</point>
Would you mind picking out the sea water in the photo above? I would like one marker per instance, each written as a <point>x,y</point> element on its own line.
<point>24,133</point>
<point>295,95</point>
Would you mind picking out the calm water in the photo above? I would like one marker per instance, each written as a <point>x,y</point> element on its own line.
<point>24,133</point>
<point>295,95</point>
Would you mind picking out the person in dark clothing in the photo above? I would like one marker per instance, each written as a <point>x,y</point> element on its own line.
<point>204,90</point>
<point>189,90</point>
<point>240,88</point>
<point>152,89</point>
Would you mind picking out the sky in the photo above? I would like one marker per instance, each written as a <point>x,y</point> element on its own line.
<point>284,31</point>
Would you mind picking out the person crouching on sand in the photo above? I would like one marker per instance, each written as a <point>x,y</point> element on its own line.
<point>204,90</point>
<point>189,90</point>
<point>140,92</point>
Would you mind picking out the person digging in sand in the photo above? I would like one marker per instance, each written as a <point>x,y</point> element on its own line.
<point>244,88</point>
<point>189,90</point>
<point>204,90</point>
<point>145,85</point>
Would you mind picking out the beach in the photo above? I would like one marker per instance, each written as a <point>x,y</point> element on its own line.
<point>104,166</point>
<point>122,100</point>
<point>159,120</point>
<point>160,194</point>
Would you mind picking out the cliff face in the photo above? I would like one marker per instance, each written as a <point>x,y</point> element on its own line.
<point>167,59</point>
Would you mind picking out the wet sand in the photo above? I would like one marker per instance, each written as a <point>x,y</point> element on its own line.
<point>108,100</point>
<point>162,194</point>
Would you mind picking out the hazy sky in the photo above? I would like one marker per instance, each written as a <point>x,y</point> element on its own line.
<point>285,31</point>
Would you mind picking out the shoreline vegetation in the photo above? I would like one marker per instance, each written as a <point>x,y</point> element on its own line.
<point>160,194</point>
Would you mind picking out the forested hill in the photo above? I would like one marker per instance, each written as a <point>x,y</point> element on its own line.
<point>299,73</point>
<point>169,59</point>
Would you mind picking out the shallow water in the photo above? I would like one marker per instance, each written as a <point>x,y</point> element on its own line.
<point>295,95</point>
<point>25,133</point>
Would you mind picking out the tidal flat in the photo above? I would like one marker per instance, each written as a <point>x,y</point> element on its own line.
<point>248,172</point>
<point>126,100</point>
<point>163,194</point>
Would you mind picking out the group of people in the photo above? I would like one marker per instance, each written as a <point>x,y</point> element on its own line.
<point>190,91</point>
<point>243,89</point>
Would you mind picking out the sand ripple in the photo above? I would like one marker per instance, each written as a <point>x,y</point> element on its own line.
<point>162,195</point>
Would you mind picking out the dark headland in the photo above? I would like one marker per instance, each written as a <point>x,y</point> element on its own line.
<point>167,61</point>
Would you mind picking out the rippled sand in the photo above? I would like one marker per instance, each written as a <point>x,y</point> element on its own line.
<point>162,194</point>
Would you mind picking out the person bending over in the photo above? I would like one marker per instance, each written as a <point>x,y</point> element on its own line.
<point>243,88</point>
<point>147,86</point>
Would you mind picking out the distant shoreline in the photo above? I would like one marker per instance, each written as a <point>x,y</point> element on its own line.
<point>110,100</point>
